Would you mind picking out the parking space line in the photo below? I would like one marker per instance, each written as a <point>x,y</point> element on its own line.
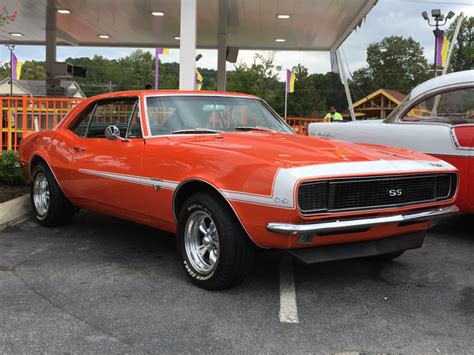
<point>288,308</point>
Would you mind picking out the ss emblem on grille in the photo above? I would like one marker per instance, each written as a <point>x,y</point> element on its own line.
<point>395,192</point>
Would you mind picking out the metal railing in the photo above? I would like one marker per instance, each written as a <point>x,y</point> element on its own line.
<point>300,124</point>
<point>19,114</point>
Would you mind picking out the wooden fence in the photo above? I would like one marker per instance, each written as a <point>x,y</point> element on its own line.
<point>18,115</point>
<point>300,124</point>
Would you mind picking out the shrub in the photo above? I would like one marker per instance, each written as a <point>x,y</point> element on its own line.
<point>10,173</point>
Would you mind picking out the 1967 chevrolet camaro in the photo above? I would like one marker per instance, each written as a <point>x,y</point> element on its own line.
<point>227,174</point>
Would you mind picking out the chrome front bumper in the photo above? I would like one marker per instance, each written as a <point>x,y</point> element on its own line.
<point>344,225</point>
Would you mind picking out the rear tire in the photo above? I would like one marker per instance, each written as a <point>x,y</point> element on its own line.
<point>50,206</point>
<point>213,248</point>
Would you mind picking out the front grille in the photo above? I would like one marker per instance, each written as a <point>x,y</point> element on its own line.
<point>374,192</point>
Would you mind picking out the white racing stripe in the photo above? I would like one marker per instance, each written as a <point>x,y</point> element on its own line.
<point>288,308</point>
<point>282,195</point>
<point>170,185</point>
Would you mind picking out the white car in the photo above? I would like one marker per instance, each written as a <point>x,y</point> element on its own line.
<point>436,118</point>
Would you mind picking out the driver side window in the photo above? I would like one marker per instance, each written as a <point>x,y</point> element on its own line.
<point>122,113</point>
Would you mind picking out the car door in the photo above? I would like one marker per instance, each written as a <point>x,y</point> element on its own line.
<point>102,167</point>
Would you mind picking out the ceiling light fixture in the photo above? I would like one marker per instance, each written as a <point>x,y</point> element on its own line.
<point>280,40</point>
<point>63,11</point>
<point>177,38</point>
<point>283,16</point>
<point>158,13</point>
<point>103,36</point>
<point>16,34</point>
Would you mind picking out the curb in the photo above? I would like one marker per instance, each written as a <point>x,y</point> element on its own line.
<point>14,210</point>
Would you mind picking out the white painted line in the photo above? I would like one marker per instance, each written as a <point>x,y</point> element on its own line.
<point>288,308</point>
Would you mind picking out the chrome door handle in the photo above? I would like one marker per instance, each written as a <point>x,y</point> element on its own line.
<point>79,149</point>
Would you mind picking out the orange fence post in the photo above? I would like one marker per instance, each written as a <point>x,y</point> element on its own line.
<point>1,126</point>
<point>17,116</point>
<point>300,124</point>
<point>9,125</point>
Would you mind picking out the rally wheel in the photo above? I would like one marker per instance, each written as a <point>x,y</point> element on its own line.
<point>50,206</point>
<point>214,250</point>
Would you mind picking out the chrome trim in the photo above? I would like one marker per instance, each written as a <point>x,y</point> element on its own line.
<point>455,139</point>
<point>307,213</point>
<point>342,225</point>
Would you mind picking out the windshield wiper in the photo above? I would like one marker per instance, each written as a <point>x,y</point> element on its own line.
<point>253,128</point>
<point>195,130</point>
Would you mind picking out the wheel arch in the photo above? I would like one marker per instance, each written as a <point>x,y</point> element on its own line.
<point>188,187</point>
<point>37,158</point>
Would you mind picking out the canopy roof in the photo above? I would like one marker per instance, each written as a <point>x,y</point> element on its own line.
<point>251,24</point>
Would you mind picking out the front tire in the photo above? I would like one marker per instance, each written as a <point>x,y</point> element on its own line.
<point>214,250</point>
<point>50,206</point>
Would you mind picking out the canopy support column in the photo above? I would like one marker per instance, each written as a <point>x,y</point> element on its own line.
<point>222,45</point>
<point>187,46</point>
<point>342,73</point>
<point>221,61</point>
<point>50,38</point>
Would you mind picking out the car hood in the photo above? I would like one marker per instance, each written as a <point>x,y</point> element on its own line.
<point>291,150</point>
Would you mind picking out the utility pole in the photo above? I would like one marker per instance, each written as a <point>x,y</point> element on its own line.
<point>438,17</point>
<point>11,49</point>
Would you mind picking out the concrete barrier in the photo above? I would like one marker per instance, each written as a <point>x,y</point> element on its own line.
<point>14,210</point>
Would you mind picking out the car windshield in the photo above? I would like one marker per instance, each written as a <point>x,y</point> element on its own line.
<point>210,114</point>
<point>455,107</point>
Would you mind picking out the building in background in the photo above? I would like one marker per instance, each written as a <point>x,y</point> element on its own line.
<point>377,105</point>
<point>37,88</point>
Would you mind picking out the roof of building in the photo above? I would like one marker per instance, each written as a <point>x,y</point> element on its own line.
<point>394,95</point>
<point>37,88</point>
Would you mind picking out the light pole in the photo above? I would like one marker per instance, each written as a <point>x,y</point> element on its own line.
<point>11,48</point>
<point>438,18</point>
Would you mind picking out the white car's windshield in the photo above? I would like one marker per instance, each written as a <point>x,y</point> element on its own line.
<point>210,114</point>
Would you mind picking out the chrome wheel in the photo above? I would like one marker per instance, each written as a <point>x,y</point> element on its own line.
<point>201,242</point>
<point>41,194</point>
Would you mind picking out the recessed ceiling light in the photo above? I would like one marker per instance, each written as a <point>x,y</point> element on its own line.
<point>16,34</point>
<point>280,40</point>
<point>158,13</point>
<point>103,36</point>
<point>283,16</point>
<point>63,11</point>
<point>177,38</point>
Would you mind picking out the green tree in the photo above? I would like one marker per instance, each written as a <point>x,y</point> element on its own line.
<point>259,78</point>
<point>393,63</point>
<point>463,54</point>
<point>31,70</point>
<point>306,101</point>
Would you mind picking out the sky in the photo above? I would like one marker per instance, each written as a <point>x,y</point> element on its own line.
<point>387,18</point>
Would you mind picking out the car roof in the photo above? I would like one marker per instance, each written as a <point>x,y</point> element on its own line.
<point>461,77</point>
<point>168,93</point>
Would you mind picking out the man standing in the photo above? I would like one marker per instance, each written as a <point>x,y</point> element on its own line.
<point>333,116</point>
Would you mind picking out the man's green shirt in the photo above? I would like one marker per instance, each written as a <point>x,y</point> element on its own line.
<point>334,117</point>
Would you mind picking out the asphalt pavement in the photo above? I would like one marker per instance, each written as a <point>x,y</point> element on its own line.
<point>101,285</point>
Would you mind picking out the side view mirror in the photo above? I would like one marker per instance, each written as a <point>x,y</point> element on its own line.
<point>113,132</point>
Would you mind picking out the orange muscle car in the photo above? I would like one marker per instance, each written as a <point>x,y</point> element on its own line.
<point>226,174</point>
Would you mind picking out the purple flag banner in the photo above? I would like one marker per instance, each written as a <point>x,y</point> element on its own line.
<point>14,66</point>
<point>158,51</point>
<point>439,47</point>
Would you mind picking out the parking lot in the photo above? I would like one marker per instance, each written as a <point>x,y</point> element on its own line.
<point>103,285</point>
